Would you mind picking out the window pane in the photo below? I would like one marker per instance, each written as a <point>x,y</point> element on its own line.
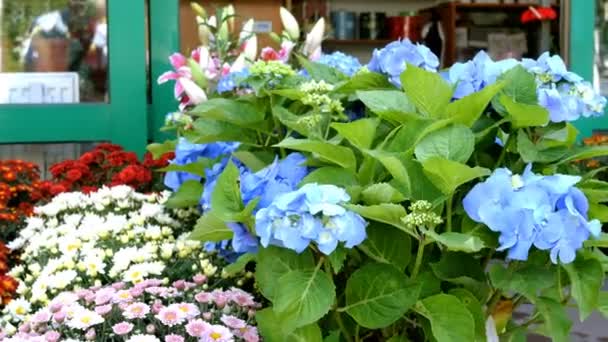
<point>601,48</point>
<point>53,51</point>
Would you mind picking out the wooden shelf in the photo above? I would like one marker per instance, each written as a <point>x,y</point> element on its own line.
<point>357,41</point>
<point>495,7</point>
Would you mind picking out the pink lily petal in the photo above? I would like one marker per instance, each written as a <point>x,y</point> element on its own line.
<point>178,60</point>
<point>179,89</point>
<point>167,76</point>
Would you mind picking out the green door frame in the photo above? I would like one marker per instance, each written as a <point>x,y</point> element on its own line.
<point>122,121</point>
<point>582,53</point>
<point>164,41</point>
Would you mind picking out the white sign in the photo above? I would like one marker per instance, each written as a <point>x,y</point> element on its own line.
<point>39,87</point>
<point>262,26</point>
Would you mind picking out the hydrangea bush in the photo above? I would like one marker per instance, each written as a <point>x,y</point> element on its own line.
<point>401,202</point>
<point>186,310</point>
<point>79,240</point>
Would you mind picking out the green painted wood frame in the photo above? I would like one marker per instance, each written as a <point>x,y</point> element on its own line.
<point>122,121</point>
<point>164,40</point>
<point>582,53</point>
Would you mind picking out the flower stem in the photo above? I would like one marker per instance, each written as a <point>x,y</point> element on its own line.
<point>343,329</point>
<point>419,256</point>
<point>503,154</point>
<point>494,301</point>
<point>449,213</point>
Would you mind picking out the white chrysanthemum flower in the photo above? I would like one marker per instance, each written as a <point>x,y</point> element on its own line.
<point>84,319</point>
<point>19,308</point>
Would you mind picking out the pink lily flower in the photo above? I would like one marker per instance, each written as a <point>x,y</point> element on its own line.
<point>181,71</point>
<point>270,54</point>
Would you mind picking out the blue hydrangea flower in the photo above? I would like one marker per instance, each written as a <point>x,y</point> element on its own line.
<point>550,69</point>
<point>187,152</point>
<point>242,240</point>
<point>347,64</point>
<point>547,212</point>
<point>393,58</point>
<point>314,213</point>
<point>231,81</point>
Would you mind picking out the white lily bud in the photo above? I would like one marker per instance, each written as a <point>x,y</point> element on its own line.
<point>229,13</point>
<point>251,48</point>
<point>198,9</point>
<point>204,35</point>
<point>204,58</point>
<point>212,21</point>
<point>239,64</point>
<point>290,24</point>
<point>247,30</point>
<point>194,92</point>
<point>314,38</point>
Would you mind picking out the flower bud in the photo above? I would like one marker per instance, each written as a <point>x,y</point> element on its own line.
<point>198,9</point>
<point>312,46</point>
<point>194,92</point>
<point>290,24</point>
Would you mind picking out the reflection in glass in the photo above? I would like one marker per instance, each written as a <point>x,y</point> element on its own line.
<point>53,51</point>
<point>601,46</point>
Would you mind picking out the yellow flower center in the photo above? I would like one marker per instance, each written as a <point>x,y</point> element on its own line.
<point>215,335</point>
<point>85,319</point>
<point>20,310</point>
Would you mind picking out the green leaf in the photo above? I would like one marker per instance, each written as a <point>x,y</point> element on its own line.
<point>601,242</point>
<point>240,113</point>
<point>454,142</point>
<point>157,150</point>
<point>251,160</point>
<point>475,308</point>
<point>292,94</point>
<point>525,115</point>
<point>274,262</point>
<point>388,213</point>
<point>520,85</point>
<point>239,265</point>
<point>304,297</point>
<point>210,228</point>
<point>583,153</point>
<point>450,320</point>
<point>321,72</point>
<point>422,188</point>
<point>557,323</point>
<point>531,153</point>
<point>448,175</point>
<point>427,90</point>
<point>339,155</point>
<point>270,325</point>
<point>377,295</point>
<point>295,122</point>
<point>196,168</point>
<point>468,109</point>
<point>528,280</point>
<point>360,133</point>
<point>391,105</point>
<point>334,336</point>
<point>394,163</point>
<point>458,242</point>
<point>387,245</point>
<point>365,81</point>
<point>188,195</point>
<point>331,175</point>
<point>337,258</point>
<point>197,74</point>
<point>226,197</point>
<point>586,279</point>
<point>209,131</point>
<point>458,268</point>
<point>381,193</point>
<point>602,304</point>
<point>308,333</point>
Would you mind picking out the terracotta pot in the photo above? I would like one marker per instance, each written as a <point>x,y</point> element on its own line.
<point>52,54</point>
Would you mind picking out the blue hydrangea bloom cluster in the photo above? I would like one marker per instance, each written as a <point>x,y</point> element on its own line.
<point>547,212</point>
<point>347,64</point>
<point>565,94</point>
<point>393,58</point>
<point>313,213</point>
<point>187,152</point>
<point>476,74</point>
<point>231,81</point>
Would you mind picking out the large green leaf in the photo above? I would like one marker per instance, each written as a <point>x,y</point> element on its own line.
<point>210,228</point>
<point>209,130</point>
<point>557,322</point>
<point>601,241</point>
<point>365,81</point>
<point>332,175</point>
<point>241,113</point>
<point>381,193</point>
<point>458,242</point>
<point>388,213</point>
<point>339,155</point>
<point>528,280</point>
<point>295,122</point>
<point>586,279</point>
<point>308,333</point>
<point>252,160</point>
<point>454,142</point>
<point>188,195</point>
<point>196,168</point>
<point>270,325</point>
<point>274,262</point>
<point>520,85</point>
<point>475,308</point>
<point>583,153</point>
<point>394,163</point>
<point>226,197</point>
<point>531,153</point>
<point>360,133</point>
<point>158,150</point>
<point>525,115</point>
<point>427,90</point>
<point>377,295</point>
<point>321,72</point>
<point>448,175</point>
<point>602,304</point>
<point>468,109</point>
<point>391,105</point>
<point>304,297</point>
<point>422,188</point>
<point>450,320</point>
<point>387,245</point>
<point>239,265</point>
<point>458,268</point>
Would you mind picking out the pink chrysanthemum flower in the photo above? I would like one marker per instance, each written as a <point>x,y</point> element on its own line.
<point>217,333</point>
<point>233,322</point>
<point>122,328</point>
<point>136,310</point>
<point>170,316</point>
<point>188,309</point>
<point>174,338</point>
<point>197,328</point>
